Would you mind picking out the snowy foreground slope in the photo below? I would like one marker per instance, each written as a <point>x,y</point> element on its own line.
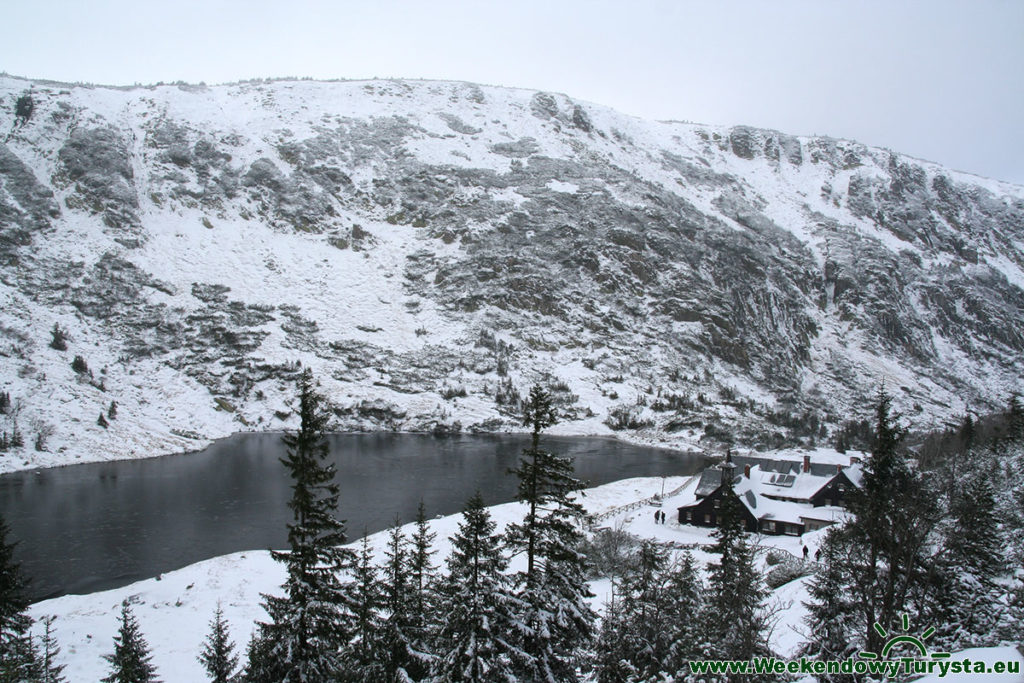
<point>431,248</point>
<point>173,611</point>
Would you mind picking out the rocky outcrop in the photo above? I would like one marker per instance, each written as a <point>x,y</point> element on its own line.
<point>430,248</point>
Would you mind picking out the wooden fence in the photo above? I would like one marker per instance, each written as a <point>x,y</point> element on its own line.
<point>596,520</point>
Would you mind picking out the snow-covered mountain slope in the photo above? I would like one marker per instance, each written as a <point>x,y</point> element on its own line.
<point>429,248</point>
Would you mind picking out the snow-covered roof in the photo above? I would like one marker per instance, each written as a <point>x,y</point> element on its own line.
<point>799,480</point>
<point>686,497</point>
<point>750,491</point>
<point>823,456</point>
<point>762,507</point>
<point>823,461</point>
<point>799,485</point>
<point>764,481</point>
<point>710,479</point>
<point>855,473</point>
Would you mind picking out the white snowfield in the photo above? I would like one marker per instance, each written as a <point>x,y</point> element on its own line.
<point>174,609</point>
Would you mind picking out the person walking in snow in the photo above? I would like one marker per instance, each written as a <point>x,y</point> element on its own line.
<point>806,551</point>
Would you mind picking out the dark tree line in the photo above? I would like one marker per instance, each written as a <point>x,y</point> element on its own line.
<point>929,543</point>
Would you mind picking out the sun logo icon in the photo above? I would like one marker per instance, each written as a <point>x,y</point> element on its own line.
<point>916,641</point>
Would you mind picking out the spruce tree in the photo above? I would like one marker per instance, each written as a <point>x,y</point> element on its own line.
<point>473,645</point>
<point>734,618</point>
<point>405,659</point>
<point>974,540</point>
<point>17,655</point>
<point>218,654</point>
<point>311,624</point>
<point>16,439</point>
<point>423,617</point>
<point>966,600</point>
<point>968,433</point>
<point>650,630</point>
<point>642,615</point>
<point>831,618</point>
<point>613,658</point>
<point>556,622</point>
<point>684,599</point>
<point>130,661</point>
<point>48,669</point>
<point>365,654</point>
<point>259,667</point>
<point>1015,420</point>
<point>533,474</point>
<point>893,513</point>
<point>59,340</point>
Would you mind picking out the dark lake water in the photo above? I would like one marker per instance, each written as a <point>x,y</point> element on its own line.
<point>97,526</point>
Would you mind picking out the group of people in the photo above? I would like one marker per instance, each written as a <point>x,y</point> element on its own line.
<point>817,554</point>
<point>659,517</point>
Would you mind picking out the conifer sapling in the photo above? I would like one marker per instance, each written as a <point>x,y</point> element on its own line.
<point>130,661</point>
<point>218,654</point>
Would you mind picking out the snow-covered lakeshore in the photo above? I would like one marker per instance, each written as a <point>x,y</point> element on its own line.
<point>173,610</point>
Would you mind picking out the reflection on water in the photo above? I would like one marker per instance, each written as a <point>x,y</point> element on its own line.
<point>97,526</point>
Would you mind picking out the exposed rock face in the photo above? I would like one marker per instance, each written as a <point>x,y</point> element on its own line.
<point>26,206</point>
<point>431,248</point>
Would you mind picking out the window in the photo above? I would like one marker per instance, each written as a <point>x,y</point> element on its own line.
<point>707,518</point>
<point>689,515</point>
<point>718,503</point>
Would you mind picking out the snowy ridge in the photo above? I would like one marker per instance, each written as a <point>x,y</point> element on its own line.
<point>428,248</point>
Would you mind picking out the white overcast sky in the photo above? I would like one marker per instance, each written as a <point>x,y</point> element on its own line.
<point>936,79</point>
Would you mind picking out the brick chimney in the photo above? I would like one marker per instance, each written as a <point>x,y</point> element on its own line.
<point>746,471</point>
<point>807,464</point>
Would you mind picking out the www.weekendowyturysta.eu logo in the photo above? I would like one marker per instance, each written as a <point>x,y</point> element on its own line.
<point>901,651</point>
<point>906,638</point>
